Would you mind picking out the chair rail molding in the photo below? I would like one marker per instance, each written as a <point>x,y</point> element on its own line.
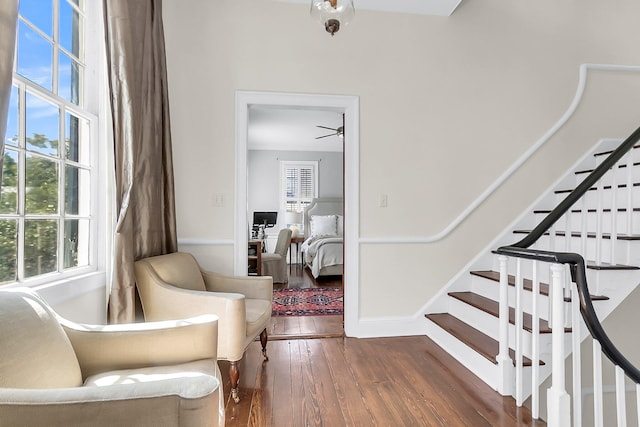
<point>582,84</point>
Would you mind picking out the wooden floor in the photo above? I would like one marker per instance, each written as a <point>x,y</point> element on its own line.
<point>405,381</point>
<point>288,327</point>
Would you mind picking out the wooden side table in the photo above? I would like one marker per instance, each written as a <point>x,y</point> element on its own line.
<point>254,256</point>
<point>295,240</point>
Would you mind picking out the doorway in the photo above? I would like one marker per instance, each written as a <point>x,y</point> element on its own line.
<point>347,105</point>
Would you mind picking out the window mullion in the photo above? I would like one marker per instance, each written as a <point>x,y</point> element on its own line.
<point>21,181</point>
<point>55,60</point>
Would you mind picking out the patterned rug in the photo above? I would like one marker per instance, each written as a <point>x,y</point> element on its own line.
<point>307,301</point>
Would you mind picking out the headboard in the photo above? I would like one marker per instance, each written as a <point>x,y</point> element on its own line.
<point>322,206</point>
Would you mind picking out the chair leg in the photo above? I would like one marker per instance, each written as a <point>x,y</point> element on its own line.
<point>263,340</point>
<point>234,376</point>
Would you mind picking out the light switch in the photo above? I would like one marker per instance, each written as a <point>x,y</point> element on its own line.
<point>218,200</point>
<point>382,201</point>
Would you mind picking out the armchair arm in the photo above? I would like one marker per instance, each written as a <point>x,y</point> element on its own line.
<point>101,348</point>
<point>161,300</point>
<point>186,401</point>
<point>256,287</point>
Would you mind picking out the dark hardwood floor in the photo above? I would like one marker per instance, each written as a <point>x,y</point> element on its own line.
<point>404,381</point>
<point>292,327</point>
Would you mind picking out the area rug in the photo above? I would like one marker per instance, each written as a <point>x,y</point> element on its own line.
<point>307,302</point>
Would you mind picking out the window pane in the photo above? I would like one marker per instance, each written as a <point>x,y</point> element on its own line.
<point>42,126</point>
<point>41,186</point>
<point>39,13</point>
<point>12,119</point>
<point>40,247</point>
<point>34,56</point>
<point>69,79</point>
<point>9,193</point>
<point>76,135</point>
<point>70,26</point>
<point>76,191</point>
<point>76,243</point>
<point>8,250</point>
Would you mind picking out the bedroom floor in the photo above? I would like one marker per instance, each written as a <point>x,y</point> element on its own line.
<point>302,327</point>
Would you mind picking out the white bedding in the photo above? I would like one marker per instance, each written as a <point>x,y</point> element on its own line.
<point>321,252</point>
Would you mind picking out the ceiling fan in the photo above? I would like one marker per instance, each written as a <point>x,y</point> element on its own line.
<point>339,132</point>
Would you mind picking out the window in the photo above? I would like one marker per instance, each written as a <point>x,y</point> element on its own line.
<point>299,184</point>
<point>46,213</point>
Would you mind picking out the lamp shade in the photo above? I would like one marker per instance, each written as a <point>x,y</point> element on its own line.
<point>293,217</point>
<point>333,13</point>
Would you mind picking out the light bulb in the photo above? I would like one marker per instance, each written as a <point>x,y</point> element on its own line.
<point>333,13</point>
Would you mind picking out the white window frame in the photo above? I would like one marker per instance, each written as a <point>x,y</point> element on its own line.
<point>299,164</point>
<point>92,109</point>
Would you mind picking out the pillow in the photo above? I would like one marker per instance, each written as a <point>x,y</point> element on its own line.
<point>324,225</point>
<point>340,225</point>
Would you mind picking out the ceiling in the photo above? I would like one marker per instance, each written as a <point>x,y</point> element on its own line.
<point>420,7</point>
<point>292,129</point>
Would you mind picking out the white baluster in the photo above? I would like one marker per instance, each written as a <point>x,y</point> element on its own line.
<point>600,196</point>
<point>614,214</point>
<point>621,409</point>
<point>583,226</point>
<point>518,333</point>
<point>535,344</point>
<point>577,358</point>
<point>630,213</point>
<point>505,385</point>
<point>638,404</point>
<point>558,400</point>
<point>598,412</point>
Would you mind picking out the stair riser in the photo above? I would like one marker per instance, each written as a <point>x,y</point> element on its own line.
<point>490,325</point>
<point>574,222</point>
<point>472,360</point>
<point>625,251</point>
<point>490,289</point>
<point>603,197</point>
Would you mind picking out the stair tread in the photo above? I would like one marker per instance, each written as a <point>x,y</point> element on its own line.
<point>478,341</point>
<point>620,166</point>
<point>493,308</point>
<point>548,211</point>
<point>527,284</point>
<point>590,235</point>
<point>605,187</point>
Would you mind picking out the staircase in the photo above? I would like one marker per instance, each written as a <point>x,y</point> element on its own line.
<point>603,227</point>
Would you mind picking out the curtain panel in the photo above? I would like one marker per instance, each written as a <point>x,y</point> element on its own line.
<point>8,24</point>
<point>145,223</point>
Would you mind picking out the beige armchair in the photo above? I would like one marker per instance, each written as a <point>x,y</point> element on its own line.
<point>275,264</point>
<point>54,372</point>
<point>174,286</point>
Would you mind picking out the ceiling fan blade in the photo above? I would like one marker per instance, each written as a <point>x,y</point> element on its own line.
<point>324,127</point>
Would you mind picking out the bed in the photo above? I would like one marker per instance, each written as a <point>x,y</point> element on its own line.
<point>323,231</point>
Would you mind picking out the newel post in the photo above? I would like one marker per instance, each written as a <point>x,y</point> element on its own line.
<point>558,400</point>
<point>505,364</point>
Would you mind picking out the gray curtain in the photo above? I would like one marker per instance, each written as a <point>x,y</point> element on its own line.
<point>8,23</point>
<point>145,200</point>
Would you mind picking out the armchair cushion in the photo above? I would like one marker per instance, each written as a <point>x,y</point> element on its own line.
<point>35,352</point>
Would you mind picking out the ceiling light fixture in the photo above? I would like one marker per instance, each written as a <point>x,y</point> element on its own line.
<point>333,13</point>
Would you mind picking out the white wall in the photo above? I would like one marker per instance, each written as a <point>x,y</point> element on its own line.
<point>263,177</point>
<point>446,105</point>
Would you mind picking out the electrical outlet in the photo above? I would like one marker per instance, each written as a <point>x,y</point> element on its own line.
<point>383,200</point>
